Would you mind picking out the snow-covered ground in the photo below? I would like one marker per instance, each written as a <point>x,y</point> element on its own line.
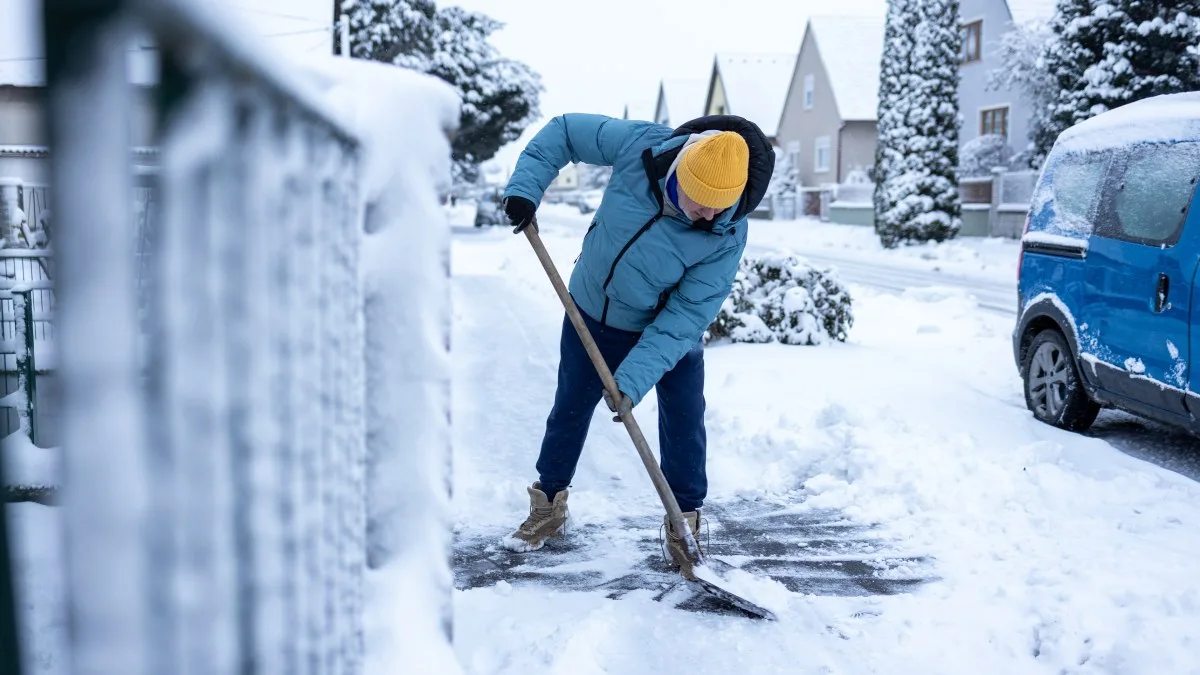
<point>983,258</point>
<point>1043,551</point>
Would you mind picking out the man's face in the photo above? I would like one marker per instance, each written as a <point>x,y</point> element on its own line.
<point>695,211</point>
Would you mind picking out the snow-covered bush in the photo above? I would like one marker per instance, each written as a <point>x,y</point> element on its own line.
<point>982,154</point>
<point>783,298</point>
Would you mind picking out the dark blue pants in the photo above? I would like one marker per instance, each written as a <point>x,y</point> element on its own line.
<point>681,436</point>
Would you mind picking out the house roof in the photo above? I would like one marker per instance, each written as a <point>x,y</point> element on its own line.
<point>684,98</point>
<point>756,86</point>
<point>1024,11</point>
<point>851,48</point>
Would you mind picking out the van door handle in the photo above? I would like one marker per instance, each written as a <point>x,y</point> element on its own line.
<point>1161,292</point>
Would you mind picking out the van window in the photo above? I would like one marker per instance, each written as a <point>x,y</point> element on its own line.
<point>1072,183</point>
<point>1151,199</point>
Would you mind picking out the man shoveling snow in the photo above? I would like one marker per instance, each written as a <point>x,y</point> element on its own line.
<point>658,261</point>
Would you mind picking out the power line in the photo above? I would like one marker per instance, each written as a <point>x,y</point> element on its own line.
<point>306,31</point>
<point>266,12</point>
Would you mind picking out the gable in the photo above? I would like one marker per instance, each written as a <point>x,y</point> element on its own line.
<point>754,86</point>
<point>851,49</point>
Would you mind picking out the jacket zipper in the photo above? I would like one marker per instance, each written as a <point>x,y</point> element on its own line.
<point>612,270</point>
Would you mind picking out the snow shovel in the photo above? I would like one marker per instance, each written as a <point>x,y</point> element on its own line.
<point>711,576</point>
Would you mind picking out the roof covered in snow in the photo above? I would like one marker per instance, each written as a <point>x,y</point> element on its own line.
<point>851,48</point>
<point>1024,11</point>
<point>684,98</point>
<point>1159,119</point>
<point>756,86</point>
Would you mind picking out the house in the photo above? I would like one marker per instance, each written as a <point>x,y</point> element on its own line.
<point>680,100</point>
<point>753,86</point>
<point>984,111</point>
<point>827,126</point>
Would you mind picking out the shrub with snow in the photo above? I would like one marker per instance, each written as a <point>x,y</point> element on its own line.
<point>982,154</point>
<point>782,298</point>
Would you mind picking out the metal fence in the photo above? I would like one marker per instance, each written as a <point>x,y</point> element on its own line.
<point>213,437</point>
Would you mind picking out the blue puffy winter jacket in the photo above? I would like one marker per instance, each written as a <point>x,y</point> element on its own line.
<point>640,269</point>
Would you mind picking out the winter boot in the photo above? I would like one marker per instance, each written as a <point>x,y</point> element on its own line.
<point>676,545</point>
<point>545,520</point>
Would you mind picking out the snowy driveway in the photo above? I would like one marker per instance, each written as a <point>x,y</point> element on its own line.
<point>1028,549</point>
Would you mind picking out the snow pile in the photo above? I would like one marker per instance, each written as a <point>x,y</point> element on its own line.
<point>28,466</point>
<point>783,298</point>
<point>403,119</point>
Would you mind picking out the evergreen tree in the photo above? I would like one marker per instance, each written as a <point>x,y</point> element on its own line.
<point>920,183</point>
<point>894,73</point>
<point>499,96</point>
<point>1108,53</point>
<point>384,30</point>
<point>1021,53</point>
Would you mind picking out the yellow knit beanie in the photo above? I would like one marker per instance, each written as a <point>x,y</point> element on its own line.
<point>713,170</point>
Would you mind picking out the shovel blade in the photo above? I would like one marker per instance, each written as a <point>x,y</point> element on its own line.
<point>713,579</point>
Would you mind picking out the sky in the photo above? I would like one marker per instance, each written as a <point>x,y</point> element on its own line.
<point>592,57</point>
<point>598,57</point>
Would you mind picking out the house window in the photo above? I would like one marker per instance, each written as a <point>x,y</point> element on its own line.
<point>793,153</point>
<point>821,154</point>
<point>808,92</point>
<point>972,38</point>
<point>994,121</point>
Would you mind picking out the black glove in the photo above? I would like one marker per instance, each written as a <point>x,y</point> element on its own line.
<point>624,408</point>
<point>520,212</point>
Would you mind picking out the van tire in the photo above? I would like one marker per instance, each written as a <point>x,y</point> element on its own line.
<point>1054,390</point>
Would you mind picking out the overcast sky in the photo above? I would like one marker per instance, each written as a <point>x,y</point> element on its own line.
<point>597,57</point>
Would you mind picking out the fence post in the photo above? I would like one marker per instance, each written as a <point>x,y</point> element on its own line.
<point>10,203</point>
<point>10,642</point>
<point>26,366</point>
<point>994,208</point>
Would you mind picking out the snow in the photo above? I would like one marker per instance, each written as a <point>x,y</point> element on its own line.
<point>1135,366</point>
<point>756,85</point>
<point>1160,119</point>
<point>26,464</point>
<point>1050,239</point>
<point>403,119</point>
<point>992,259</point>
<point>684,98</point>
<point>1025,11</point>
<point>37,556</point>
<point>1049,551</point>
<point>851,48</point>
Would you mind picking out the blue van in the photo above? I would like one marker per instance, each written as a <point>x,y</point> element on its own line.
<point>1109,313</point>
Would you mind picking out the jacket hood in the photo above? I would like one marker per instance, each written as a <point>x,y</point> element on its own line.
<point>762,155</point>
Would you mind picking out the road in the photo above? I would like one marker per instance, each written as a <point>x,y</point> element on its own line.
<point>992,296</point>
<point>1170,448</point>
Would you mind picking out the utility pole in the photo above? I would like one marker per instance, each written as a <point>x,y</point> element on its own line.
<point>337,21</point>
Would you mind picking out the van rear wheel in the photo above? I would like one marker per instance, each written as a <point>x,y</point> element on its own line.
<point>1054,391</point>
